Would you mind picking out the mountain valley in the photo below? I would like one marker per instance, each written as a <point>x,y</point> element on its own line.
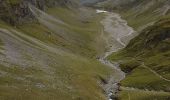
<point>84,50</point>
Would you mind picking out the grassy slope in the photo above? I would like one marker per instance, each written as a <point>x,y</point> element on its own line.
<point>143,95</point>
<point>149,47</point>
<point>138,13</point>
<point>152,48</point>
<point>66,75</point>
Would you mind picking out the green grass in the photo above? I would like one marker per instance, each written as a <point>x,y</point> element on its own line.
<point>143,95</point>
<point>13,2</point>
<point>152,48</point>
<point>71,80</point>
<point>72,75</point>
<point>81,33</point>
<point>144,79</point>
<point>146,16</point>
<point>128,65</point>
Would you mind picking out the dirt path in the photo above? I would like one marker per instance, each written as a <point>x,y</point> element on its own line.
<point>154,72</point>
<point>144,90</point>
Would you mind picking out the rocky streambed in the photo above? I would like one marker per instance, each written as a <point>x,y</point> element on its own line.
<point>116,34</point>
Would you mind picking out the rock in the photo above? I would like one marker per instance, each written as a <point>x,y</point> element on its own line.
<point>114,97</point>
<point>19,13</point>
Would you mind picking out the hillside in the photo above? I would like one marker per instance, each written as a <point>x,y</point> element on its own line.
<point>17,11</point>
<point>146,62</point>
<point>138,13</point>
<point>48,51</point>
<point>146,58</point>
<point>84,49</point>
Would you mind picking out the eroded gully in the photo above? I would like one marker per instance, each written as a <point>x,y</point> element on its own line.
<point>116,34</point>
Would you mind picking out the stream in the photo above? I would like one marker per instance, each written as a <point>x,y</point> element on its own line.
<point>117,35</point>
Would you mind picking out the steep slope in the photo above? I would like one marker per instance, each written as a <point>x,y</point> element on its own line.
<point>18,12</point>
<point>52,55</point>
<point>146,62</point>
<point>48,50</point>
<point>138,13</point>
<point>146,57</point>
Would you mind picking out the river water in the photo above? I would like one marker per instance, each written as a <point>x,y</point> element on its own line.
<point>117,35</point>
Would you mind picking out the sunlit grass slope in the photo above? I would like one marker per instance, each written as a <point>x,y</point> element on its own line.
<point>146,61</point>
<point>138,13</point>
<point>47,60</point>
<point>143,95</point>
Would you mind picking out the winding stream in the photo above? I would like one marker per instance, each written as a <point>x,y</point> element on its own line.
<point>117,34</point>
